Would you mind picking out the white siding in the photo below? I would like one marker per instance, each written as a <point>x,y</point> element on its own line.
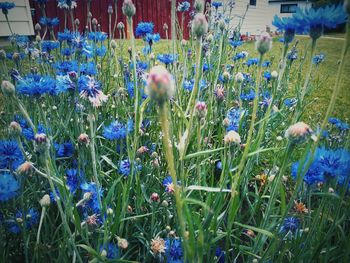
<point>20,19</point>
<point>258,17</point>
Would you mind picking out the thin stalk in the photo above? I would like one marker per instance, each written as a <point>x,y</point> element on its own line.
<point>173,25</point>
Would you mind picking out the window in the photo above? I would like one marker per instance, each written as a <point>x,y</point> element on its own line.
<point>252,2</point>
<point>288,8</point>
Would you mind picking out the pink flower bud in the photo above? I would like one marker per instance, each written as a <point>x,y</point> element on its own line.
<point>199,25</point>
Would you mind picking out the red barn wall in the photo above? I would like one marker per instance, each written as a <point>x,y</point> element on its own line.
<point>156,11</point>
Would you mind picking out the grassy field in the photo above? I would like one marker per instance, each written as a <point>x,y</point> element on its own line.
<point>324,75</point>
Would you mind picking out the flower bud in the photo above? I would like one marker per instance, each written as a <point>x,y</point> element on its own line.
<point>274,74</point>
<point>37,38</point>
<point>42,143</point>
<point>199,25</point>
<point>201,109</point>
<point>94,21</point>
<point>15,129</point>
<point>110,10</point>
<point>165,203</point>
<point>84,139</point>
<point>128,8</point>
<point>8,89</point>
<point>239,77</point>
<point>2,54</point>
<point>232,137</point>
<point>226,76</point>
<point>77,22</point>
<point>160,84</point>
<point>123,243</point>
<point>120,26</point>
<point>222,24</point>
<point>37,27</point>
<point>298,132</point>
<point>263,43</point>
<point>155,197</point>
<point>165,27</point>
<point>45,201</point>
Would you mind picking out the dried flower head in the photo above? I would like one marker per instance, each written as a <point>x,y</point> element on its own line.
<point>300,207</point>
<point>84,139</point>
<point>25,168</point>
<point>298,132</point>
<point>232,137</point>
<point>158,245</point>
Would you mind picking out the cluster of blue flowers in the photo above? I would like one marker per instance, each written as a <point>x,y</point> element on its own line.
<point>341,125</point>
<point>183,7</point>
<point>5,6</point>
<point>327,164</point>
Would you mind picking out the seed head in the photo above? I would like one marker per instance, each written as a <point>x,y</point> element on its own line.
<point>232,137</point>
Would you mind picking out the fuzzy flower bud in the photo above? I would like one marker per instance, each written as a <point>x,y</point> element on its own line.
<point>45,201</point>
<point>199,25</point>
<point>15,129</point>
<point>128,8</point>
<point>8,89</point>
<point>201,109</point>
<point>120,26</point>
<point>2,54</point>
<point>123,243</point>
<point>160,84</point>
<point>37,27</point>
<point>84,139</point>
<point>274,74</point>
<point>239,77</point>
<point>77,22</point>
<point>113,44</point>
<point>155,197</point>
<point>263,43</point>
<point>298,132</point>
<point>232,137</point>
<point>25,168</point>
<point>42,143</point>
<point>226,76</point>
<point>94,21</point>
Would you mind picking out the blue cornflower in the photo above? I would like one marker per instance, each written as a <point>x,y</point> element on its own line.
<point>6,6</point>
<point>290,224</point>
<point>77,40</point>
<point>125,167</point>
<point>183,7</point>
<point>188,84</point>
<point>290,102</point>
<point>21,41</point>
<point>220,255</point>
<point>9,186</point>
<point>173,250</point>
<point>168,184</point>
<point>48,45</point>
<point>67,51</point>
<point>313,175</point>
<point>49,22</point>
<point>111,249</point>
<point>248,96</point>
<point>342,126</point>
<point>65,149</point>
<point>15,55</point>
<point>66,4</point>
<point>10,155</point>
<point>101,51</point>
<point>66,35</point>
<point>252,61</point>
<point>64,67</point>
<point>88,68</point>
<point>73,179</point>
<point>233,116</point>
<point>36,85</point>
<point>333,162</point>
<point>240,55</point>
<point>235,43</point>
<point>27,131</point>
<point>266,64</point>
<point>93,202</point>
<point>14,225</point>
<point>144,28</point>
<point>288,25</point>
<point>317,59</point>
<point>90,89</point>
<point>167,58</point>
<point>152,38</point>
<point>333,120</point>
<point>206,67</point>
<point>97,36</point>
<point>267,75</point>
<point>315,20</point>
<point>216,4</point>
<point>64,83</point>
<point>115,131</point>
